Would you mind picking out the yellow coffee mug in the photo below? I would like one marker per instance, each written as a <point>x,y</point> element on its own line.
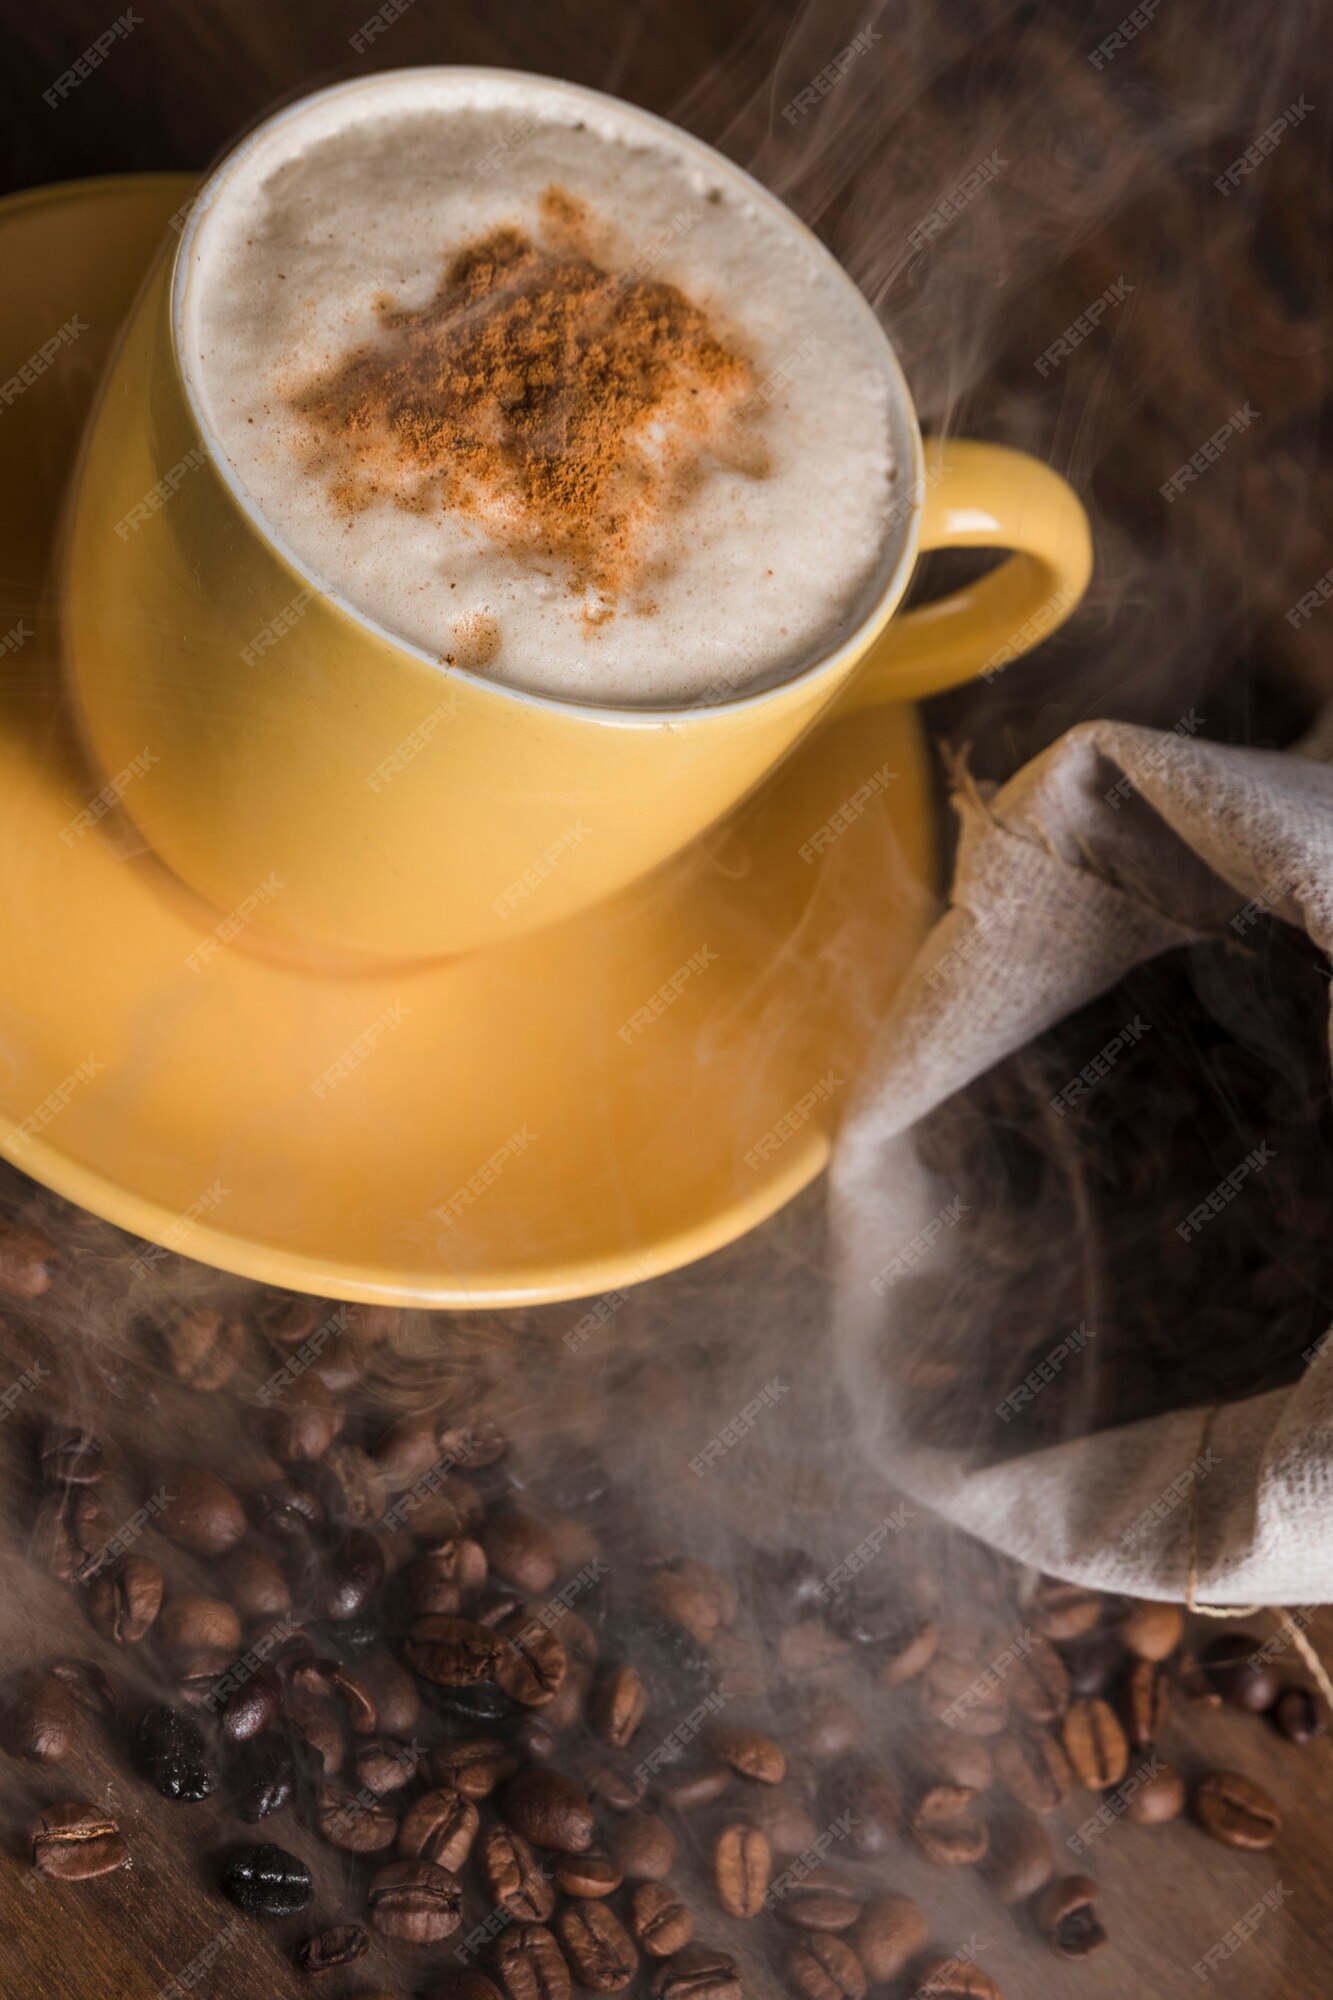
<point>311,775</point>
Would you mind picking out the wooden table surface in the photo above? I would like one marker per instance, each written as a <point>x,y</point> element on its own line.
<point>951,80</point>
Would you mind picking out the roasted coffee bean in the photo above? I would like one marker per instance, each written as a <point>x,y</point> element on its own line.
<point>550,1810</point>
<point>1064,1914</point>
<point>908,1653</point>
<point>356,1822</point>
<point>940,1756</point>
<point>263,1778</point>
<point>826,1968</point>
<point>530,1964</point>
<point>304,1421</point>
<point>1236,1811</point>
<point>1237,1666</point>
<point>351,1689</point>
<point>599,1949</point>
<point>514,1877</point>
<point>694,1596</point>
<point>742,1867</point>
<point>27,1260</point>
<point>1035,1770</point>
<point>661,1922</point>
<point>124,1601</point>
<point>945,1829</point>
<point>1038,1685</point>
<point>811,1647</point>
<point>618,1705</point>
<point>1091,1664</point>
<point>1157,1796</point>
<point>1095,1745</point>
<point>170,1749</point>
<point>1299,1715</point>
<point>72,1456</point>
<point>521,1551</point>
<point>749,1752</point>
<point>963,1696</point>
<point>329,1950</point>
<point>1063,1611</point>
<point>697,1972</point>
<point>352,1572</point>
<point>318,1720</point>
<point>39,1720</point>
<point>864,1790</point>
<point>72,1843</point>
<point>739,1663</point>
<point>473,1766</point>
<point>286,1512</point>
<point>416,1902</point>
<point>52,1547</point>
<point>197,1624</point>
<point>610,1780</point>
<point>392,1693</point>
<point>453,1652</point>
<point>252,1707</point>
<point>534,1741</point>
<point>890,1931</point>
<point>382,1765</point>
<point>593,1874</point>
<point>780,1815</point>
<point>89,1527</point>
<point>89,1686</point>
<point>1021,1858</point>
<point>266,1881</point>
<point>954,1979</point>
<point>1147,1696</point>
<point>692,1786</point>
<point>1152,1631</point>
<point>532,1667</point>
<point>1195,1685</point>
<point>202,1513</point>
<point>440,1826</point>
<point>437,1582</point>
<point>645,1847</point>
<point>815,1905</point>
<point>203,1348</point>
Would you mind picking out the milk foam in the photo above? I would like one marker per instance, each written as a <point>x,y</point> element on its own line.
<point>364,194</point>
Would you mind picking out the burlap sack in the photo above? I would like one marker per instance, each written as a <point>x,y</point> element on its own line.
<point>1114,845</point>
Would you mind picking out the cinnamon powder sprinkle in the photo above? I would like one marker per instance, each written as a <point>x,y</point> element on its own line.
<point>565,406</point>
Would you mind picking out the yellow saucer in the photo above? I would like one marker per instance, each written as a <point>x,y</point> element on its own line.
<point>546,1120</point>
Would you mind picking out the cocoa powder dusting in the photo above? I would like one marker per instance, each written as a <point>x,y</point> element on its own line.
<point>565,406</point>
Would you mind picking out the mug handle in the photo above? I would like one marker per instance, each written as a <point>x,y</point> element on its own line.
<point>982,496</point>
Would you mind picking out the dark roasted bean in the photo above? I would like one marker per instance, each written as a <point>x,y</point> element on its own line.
<point>1064,1913</point>
<point>440,1826</point>
<point>352,1571</point>
<point>169,1747</point>
<point>124,1601</point>
<point>40,1720</point>
<point>1299,1715</point>
<point>1237,1665</point>
<point>618,1705</point>
<point>303,1421</point>
<point>266,1881</point>
<point>453,1652</point>
<point>252,1707</point>
<point>263,1778</point>
<point>691,1786</point>
<point>198,1624</point>
<point>532,1667</point>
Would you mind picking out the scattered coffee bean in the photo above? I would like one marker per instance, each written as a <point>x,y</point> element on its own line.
<point>1065,1915</point>
<point>530,1964</point>
<point>1240,1670</point>
<point>533,1666</point>
<point>939,1755</point>
<point>1095,1745</point>
<point>697,1972</point>
<point>521,1551</point>
<point>826,1968</point>
<point>599,1949</point>
<point>202,1513</point>
<point>1091,1664</point>
<point>945,1830</point>
<point>909,1654</point>
<point>416,1902</point>
<point>550,1810</point>
<point>304,1421</point>
<point>1038,1684</point>
<point>39,1720</point>
<point>692,1786</point>
<point>1035,1771</point>
<point>645,1847</point>
<point>954,1979</point>
<point>963,1697</point>
<point>263,1778</point>
<point>251,1708</point>
<point>440,1826</point>
<point>1147,1694</point>
<point>1063,1611</point>
<point>330,1950</point>
<point>591,1875</point>
<point>195,1624</point>
<point>203,1348</point>
<point>864,1790</point>
<point>890,1930</point>
<point>618,1705</point>
<point>661,1922</point>
<point>27,1260</point>
<point>473,1766</point>
<point>1021,1858</point>
<point>823,1724</point>
<point>780,1815</point>
<point>382,1765</point>
<point>352,1572</point>
<point>453,1652</point>
<point>749,1752</point>
<point>73,1843</point>
<point>266,1881</point>
<point>89,1686</point>
<point>356,1822</point>
<point>813,1905</point>
<point>1159,1796</point>
<point>1299,1715</point>
<point>124,1601</point>
<point>742,1866</point>
<point>1152,1631</point>
<point>1236,1811</point>
<point>514,1877</point>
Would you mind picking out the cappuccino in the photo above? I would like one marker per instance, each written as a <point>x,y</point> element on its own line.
<point>543,388</point>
